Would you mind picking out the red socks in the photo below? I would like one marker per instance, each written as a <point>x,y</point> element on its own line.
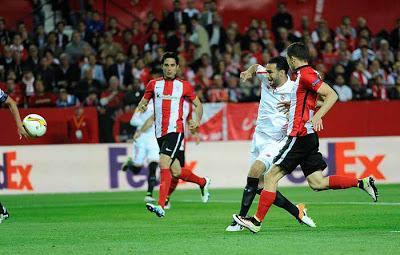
<point>189,176</point>
<point>266,200</point>
<point>164,186</point>
<point>342,182</point>
<point>172,187</point>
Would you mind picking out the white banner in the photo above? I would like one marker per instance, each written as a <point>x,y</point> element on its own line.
<point>97,167</point>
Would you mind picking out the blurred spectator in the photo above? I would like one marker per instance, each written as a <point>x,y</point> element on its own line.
<point>92,99</point>
<point>207,14</point>
<point>394,36</point>
<point>384,51</point>
<point>18,49</point>
<point>200,39</point>
<point>27,82</point>
<point>361,74</point>
<point>344,92</point>
<point>363,53</point>
<point>62,39</point>
<point>39,38</point>
<point>216,33</point>
<point>235,94</point>
<point>112,98</point>
<point>281,19</point>
<point>4,33</point>
<point>378,88</point>
<point>79,129</point>
<point>217,92</point>
<point>65,99</point>
<point>122,70</point>
<point>362,26</point>
<point>75,49</point>
<point>109,47</point>
<point>394,93</point>
<point>52,44</point>
<point>190,10</point>
<point>94,24</point>
<point>41,98</point>
<point>96,69</point>
<point>33,60</point>
<point>329,57</point>
<point>134,94</point>
<point>87,84</point>
<point>176,17</point>
<point>67,75</point>
<point>345,29</point>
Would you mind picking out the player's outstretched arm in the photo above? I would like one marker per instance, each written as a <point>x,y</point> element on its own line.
<point>330,98</point>
<point>146,125</point>
<point>198,108</point>
<point>249,73</point>
<point>14,110</point>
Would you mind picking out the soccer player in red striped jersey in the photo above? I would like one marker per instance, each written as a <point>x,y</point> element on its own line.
<point>168,94</point>
<point>4,98</point>
<point>302,144</point>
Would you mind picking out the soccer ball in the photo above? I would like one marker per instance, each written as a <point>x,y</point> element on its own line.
<point>35,125</point>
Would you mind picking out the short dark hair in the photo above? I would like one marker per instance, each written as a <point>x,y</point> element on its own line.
<point>281,63</point>
<point>298,50</point>
<point>170,54</point>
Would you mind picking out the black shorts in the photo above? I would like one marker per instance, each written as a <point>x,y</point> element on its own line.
<point>169,144</point>
<point>180,155</point>
<point>303,151</point>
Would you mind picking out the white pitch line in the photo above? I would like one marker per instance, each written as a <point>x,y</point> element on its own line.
<point>309,203</point>
<point>395,231</point>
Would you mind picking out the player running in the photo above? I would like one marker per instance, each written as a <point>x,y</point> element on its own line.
<point>141,144</point>
<point>302,144</point>
<point>4,98</point>
<point>168,94</point>
<point>269,136</point>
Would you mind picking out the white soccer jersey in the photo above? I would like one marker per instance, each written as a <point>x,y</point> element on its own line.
<point>270,120</point>
<point>138,119</point>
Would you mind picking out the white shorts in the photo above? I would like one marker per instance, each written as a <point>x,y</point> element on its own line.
<point>145,150</point>
<point>264,148</point>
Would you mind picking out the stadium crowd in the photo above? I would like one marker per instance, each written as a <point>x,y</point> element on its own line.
<point>107,66</point>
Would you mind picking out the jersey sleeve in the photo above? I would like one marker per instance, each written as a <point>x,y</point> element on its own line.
<point>311,80</point>
<point>149,92</point>
<point>261,74</point>
<point>3,96</point>
<point>188,91</point>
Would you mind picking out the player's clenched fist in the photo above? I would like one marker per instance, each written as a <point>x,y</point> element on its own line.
<point>244,76</point>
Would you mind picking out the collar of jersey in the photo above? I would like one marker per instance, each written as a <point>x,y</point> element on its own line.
<point>300,67</point>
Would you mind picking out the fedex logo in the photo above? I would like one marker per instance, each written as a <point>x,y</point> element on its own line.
<point>115,166</point>
<point>339,163</point>
<point>13,176</point>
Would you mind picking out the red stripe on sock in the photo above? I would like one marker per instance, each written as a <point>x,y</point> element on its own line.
<point>342,182</point>
<point>165,176</point>
<point>189,176</point>
<point>172,187</point>
<point>266,200</point>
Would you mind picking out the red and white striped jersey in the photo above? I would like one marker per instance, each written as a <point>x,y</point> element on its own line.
<point>303,101</point>
<point>168,97</point>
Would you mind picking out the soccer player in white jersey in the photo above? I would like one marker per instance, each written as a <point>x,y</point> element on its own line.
<point>269,136</point>
<point>168,94</point>
<point>145,148</point>
<point>4,98</point>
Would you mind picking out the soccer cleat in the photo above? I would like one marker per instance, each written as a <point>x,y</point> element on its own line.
<point>248,222</point>
<point>167,205</point>
<point>234,227</point>
<point>205,193</point>
<point>149,199</point>
<point>368,184</point>
<point>157,209</point>
<point>304,218</point>
<point>3,213</point>
<point>127,165</point>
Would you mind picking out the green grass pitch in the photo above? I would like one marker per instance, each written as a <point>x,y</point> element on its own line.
<point>118,223</point>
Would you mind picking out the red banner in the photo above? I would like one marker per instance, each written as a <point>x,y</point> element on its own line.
<point>241,120</point>
<point>212,123</point>
<point>57,126</point>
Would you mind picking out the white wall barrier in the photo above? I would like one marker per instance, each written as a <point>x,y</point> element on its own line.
<point>90,168</point>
